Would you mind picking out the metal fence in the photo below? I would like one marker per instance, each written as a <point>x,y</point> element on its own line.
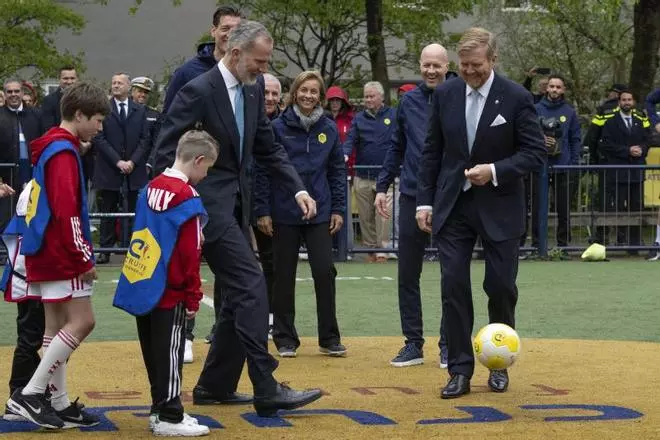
<point>568,208</point>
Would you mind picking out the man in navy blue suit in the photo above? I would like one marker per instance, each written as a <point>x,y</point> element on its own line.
<point>483,138</point>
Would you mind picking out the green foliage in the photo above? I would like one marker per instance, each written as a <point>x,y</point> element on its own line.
<point>27,31</point>
<point>587,41</point>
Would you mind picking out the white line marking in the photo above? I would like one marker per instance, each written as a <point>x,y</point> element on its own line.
<point>207,301</point>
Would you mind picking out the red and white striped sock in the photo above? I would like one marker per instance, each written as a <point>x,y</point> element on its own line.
<point>55,357</point>
<point>45,343</point>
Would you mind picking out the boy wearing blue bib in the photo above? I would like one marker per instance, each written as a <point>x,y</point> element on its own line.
<point>160,282</point>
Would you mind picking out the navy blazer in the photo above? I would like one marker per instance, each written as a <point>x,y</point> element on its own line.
<point>515,147</point>
<point>128,140</point>
<point>318,158</point>
<point>204,102</point>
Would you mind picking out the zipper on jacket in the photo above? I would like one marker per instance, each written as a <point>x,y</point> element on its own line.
<point>308,143</point>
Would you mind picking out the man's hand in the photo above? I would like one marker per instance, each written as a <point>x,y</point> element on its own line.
<point>635,151</point>
<point>307,205</point>
<point>336,221</point>
<point>90,275</point>
<point>123,166</point>
<point>479,175</point>
<point>550,142</point>
<point>6,190</point>
<point>424,219</point>
<point>265,225</point>
<point>190,314</point>
<point>381,205</point>
<point>131,166</point>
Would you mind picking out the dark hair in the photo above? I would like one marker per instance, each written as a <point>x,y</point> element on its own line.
<point>85,96</point>
<point>628,91</point>
<point>67,67</point>
<point>226,10</point>
<point>559,77</point>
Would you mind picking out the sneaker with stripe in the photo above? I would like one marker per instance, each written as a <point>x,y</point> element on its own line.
<point>11,416</point>
<point>75,417</point>
<point>35,408</point>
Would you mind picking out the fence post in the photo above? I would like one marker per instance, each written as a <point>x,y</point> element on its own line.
<point>342,242</point>
<point>543,210</point>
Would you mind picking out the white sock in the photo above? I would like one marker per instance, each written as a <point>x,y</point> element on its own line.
<point>55,357</point>
<point>657,234</point>
<point>57,385</point>
<point>270,316</point>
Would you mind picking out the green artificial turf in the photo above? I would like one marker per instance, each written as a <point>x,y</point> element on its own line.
<point>619,299</point>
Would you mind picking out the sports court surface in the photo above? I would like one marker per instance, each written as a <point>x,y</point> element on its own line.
<point>588,369</point>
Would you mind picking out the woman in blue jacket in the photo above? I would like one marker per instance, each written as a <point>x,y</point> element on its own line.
<point>312,142</point>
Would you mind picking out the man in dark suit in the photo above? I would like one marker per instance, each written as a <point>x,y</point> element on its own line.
<point>227,102</point>
<point>483,138</point>
<point>121,153</point>
<point>50,109</point>
<point>625,141</point>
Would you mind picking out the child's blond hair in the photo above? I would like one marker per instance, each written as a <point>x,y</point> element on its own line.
<point>195,143</point>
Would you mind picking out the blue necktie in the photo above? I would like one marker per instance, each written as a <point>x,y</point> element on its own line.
<point>239,115</point>
<point>122,111</point>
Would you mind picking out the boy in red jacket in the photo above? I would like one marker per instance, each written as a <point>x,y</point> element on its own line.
<point>59,257</point>
<point>160,281</point>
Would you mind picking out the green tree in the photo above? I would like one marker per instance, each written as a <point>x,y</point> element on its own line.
<point>581,40</point>
<point>27,31</point>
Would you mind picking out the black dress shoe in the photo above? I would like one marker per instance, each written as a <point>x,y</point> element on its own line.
<point>284,398</point>
<point>457,386</point>
<point>103,259</point>
<point>498,380</point>
<point>202,396</point>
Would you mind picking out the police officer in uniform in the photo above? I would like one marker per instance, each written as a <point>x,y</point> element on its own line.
<point>141,87</point>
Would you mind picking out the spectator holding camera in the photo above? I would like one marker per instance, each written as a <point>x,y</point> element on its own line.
<point>542,83</point>
<point>561,131</point>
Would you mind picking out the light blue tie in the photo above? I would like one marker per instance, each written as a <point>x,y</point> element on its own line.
<point>239,115</point>
<point>471,117</point>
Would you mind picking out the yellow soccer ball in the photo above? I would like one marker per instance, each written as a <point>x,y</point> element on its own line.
<point>497,346</point>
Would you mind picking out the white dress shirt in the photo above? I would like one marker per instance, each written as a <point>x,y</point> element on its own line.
<point>231,82</point>
<point>627,120</point>
<point>117,104</point>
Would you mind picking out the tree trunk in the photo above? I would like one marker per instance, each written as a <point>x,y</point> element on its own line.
<point>646,46</point>
<point>376,44</point>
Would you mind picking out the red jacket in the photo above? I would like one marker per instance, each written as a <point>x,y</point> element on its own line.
<point>183,280</point>
<point>64,254</point>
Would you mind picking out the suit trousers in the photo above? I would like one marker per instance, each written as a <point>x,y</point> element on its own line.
<point>286,241</point>
<point>162,341</point>
<point>241,329</point>
<point>456,242</point>
<point>412,245</point>
<point>109,202</point>
<point>30,327</point>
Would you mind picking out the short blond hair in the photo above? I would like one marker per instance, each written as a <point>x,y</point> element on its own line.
<point>195,143</point>
<point>476,37</point>
<point>306,76</point>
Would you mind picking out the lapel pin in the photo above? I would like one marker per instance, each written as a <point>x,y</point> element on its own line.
<point>497,101</point>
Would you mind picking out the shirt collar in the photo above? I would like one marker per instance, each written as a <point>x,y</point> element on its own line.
<point>117,102</point>
<point>485,88</point>
<point>172,172</point>
<point>16,110</point>
<point>625,116</point>
<point>230,79</point>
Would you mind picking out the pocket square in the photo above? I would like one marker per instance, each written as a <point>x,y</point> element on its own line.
<point>499,120</point>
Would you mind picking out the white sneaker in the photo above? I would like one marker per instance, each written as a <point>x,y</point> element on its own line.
<point>188,353</point>
<point>185,428</point>
<point>303,256</point>
<point>153,420</point>
<point>11,416</point>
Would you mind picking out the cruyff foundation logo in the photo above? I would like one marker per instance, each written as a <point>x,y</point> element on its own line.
<point>142,257</point>
<point>33,200</point>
